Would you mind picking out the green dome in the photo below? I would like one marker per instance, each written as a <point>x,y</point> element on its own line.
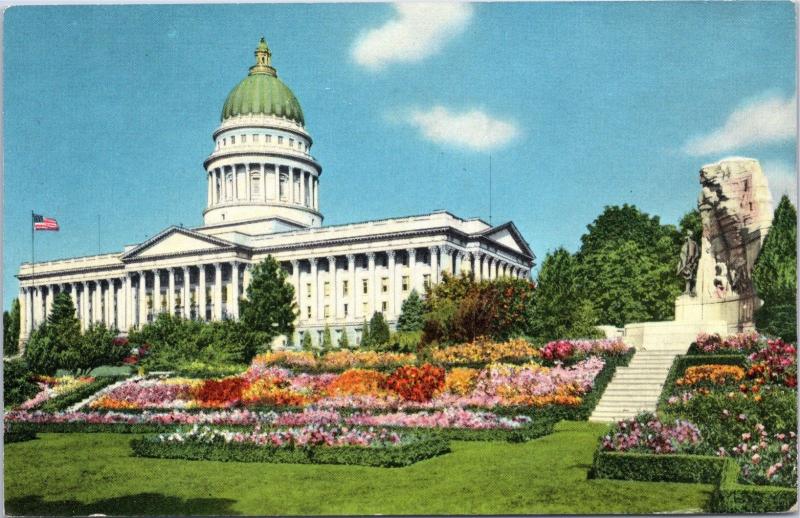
<point>262,92</point>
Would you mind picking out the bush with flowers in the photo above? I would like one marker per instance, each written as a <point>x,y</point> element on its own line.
<point>357,382</point>
<point>460,381</point>
<point>646,433</point>
<point>765,458</point>
<point>483,350</point>
<point>52,387</point>
<point>573,350</point>
<point>776,363</point>
<point>417,384</point>
<point>711,374</point>
<point>742,343</point>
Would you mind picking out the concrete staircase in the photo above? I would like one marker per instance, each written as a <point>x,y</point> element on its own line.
<point>637,387</point>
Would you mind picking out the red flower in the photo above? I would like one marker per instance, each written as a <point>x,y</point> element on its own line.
<point>416,383</point>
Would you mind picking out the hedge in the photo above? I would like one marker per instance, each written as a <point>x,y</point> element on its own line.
<point>522,434</point>
<point>683,362</point>
<point>18,435</point>
<point>733,497</point>
<point>729,496</point>
<point>424,447</point>
<point>59,403</point>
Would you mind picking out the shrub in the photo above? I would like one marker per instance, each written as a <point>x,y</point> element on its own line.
<point>378,331</point>
<point>416,383</point>
<point>198,369</point>
<point>18,384</point>
<point>703,469</point>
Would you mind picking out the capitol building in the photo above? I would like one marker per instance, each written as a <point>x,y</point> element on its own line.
<point>264,199</point>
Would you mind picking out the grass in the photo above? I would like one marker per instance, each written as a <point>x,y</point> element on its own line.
<point>83,474</point>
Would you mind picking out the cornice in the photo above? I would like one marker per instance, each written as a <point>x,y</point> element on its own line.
<point>228,154</point>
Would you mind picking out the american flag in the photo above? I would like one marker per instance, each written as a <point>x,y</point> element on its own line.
<point>42,223</point>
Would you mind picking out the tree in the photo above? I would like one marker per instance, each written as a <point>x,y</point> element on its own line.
<point>691,222</point>
<point>11,329</point>
<point>269,307</point>
<point>96,348</point>
<point>366,340</point>
<point>626,266</point>
<point>56,343</point>
<point>378,329</point>
<point>558,311</point>
<point>775,275</point>
<point>327,341</point>
<point>307,345</point>
<point>412,313</point>
<point>344,342</point>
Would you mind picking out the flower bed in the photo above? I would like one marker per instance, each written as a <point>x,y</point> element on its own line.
<point>51,387</point>
<point>742,343</point>
<point>60,393</point>
<point>307,445</point>
<point>483,351</point>
<point>572,350</point>
<point>335,361</point>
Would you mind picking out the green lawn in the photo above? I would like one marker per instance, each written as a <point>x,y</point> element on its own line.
<point>95,473</point>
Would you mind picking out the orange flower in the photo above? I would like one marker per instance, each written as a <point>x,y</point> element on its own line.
<point>716,374</point>
<point>357,382</point>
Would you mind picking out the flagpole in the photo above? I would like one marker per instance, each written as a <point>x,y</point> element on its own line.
<point>33,251</point>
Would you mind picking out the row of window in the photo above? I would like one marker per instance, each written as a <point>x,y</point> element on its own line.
<point>405,285</point>
<point>326,312</point>
<point>309,183</point>
<point>257,138</point>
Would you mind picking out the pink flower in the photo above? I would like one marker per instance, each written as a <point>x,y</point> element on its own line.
<point>756,458</point>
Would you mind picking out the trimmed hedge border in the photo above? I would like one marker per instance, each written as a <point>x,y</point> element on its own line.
<point>425,447</point>
<point>59,403</point>
<point>729,496</point>
<point>683,362</point>
<point>20,435</point>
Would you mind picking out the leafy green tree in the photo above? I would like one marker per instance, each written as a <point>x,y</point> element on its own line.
<point>307,345</point>
<point>11,329</point>
<point>558,311</point>
<point>327,341</point>
<point>366,339</point>
<point>96,348</point>
<point>344,342</point>
<point>775,275</point>
<point>626,282</point>
<point>412,313</point>
<point>626,266</point>
<point>269,307</point>
<point>378,330</point>
<point>57,342</point>
<point>18,385</point>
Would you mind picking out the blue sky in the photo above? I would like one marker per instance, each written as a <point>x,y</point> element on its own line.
<point>109,110</point>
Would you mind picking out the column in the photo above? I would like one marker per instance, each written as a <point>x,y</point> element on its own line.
<point>459,258</point>
<point>50,295</point>
<point>412,269</point>
<point>107,301</point>
<point>171,293</point>
<point>84,316</point>
<point>277,177</point>
<point>248,194</point>
<point>97,303</point>
<point>23,316</point>
<point>351,293</point>
<point>246,277</point>
<point>210,189</point>
<point>372,283</point>
<point>334,285</point>
<point>142,320</point>
<point>393,308</point>
<point>434,251</point>
<point>478,266</point>
<point>218,291</point>
<point>234,302</point>
<point>201,292</point>
<point>314,277</point>
<point>156,292</point>
<point>302,188</point>
<point>235,172</point>
<point>186,302</point>
<point>296,284</point>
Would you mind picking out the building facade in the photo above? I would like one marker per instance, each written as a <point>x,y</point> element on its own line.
<point>263,200</point>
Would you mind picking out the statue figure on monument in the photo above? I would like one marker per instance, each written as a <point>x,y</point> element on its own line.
<point>687,267</point>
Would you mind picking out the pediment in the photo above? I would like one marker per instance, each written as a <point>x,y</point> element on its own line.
<point>508,236</point>
<point>175,241</point>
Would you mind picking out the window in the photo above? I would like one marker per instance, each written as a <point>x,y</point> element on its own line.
<point>255,182</point>
<point>365,286</point>
<point>255,138</point>
<point>385,284</point>
<point>291,142</point>
<point>244,139</point>
<point>218,143</point>
<point>224,142</point>
<point>405,282</point>
<point>384,306</point>
<point>283,190</point>
<point>280,140</point>
<point>218,186</point>
<point>327,311</point>
<point>267,138</point>
<point>426,280</point>
<point>319,337</point>
<point>346,313</point>
<point>229,185</point>
<point>345,287</point>
<point>327,288</point>
<point>308,290</point>
<point>308,311</point>
<point>364,309</point>
<point>233,139</point>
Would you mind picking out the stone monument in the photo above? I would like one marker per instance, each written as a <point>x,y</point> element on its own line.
<point>736,210</point>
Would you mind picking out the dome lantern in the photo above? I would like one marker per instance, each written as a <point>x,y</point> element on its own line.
<point>263,60</point>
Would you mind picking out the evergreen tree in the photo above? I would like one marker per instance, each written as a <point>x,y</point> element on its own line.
<point>11,329</point>
<point>775,275</point>
<point>366,340</point>
<point>327,341</point>
<point>412,313</point>
<point>378,330</point>
<point>269,307</point>
<point>558,310</point>
<point>57,342</point>
<point>344,342</point>
<point>307,345</point>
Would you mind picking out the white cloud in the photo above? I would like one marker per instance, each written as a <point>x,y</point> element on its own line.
<point>782,179</point>
<point>767,120</point>
<point>417,31</point>
<point>474,129</point>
